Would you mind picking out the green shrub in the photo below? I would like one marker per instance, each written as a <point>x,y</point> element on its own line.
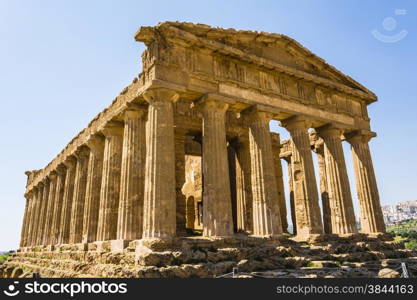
<point>411,244</point>
<point>407,232</point>
<point>3,257</point>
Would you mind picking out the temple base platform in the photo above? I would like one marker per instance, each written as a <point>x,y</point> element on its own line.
<point>356,255</point>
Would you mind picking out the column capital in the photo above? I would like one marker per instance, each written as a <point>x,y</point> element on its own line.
<point>329,130</point>
<point>296,123</point>
<point>52,175</point>
<point>359,136</point>
<point>160,94</point>
<point>253,114</point>
<point>70,162</point>
<point>133,111</point>
<point>95,143</point>
<point>60,169</point>
<point>46,180</point>
<point>210,102</point>
<point>29,194</point>
<point>113,128</point>
<point>82,152</point>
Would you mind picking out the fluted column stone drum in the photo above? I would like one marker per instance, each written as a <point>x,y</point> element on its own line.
<point>217,206</point>
<point>159,207</point>
<point>307,209</point>
<point>130,219</point>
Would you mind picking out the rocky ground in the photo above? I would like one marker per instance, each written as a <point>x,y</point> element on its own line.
<point>356,256</point>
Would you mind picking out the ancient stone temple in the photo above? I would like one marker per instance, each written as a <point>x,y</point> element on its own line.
<point>185,152</point>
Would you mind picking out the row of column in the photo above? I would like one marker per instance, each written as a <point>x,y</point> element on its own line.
<point>96,194</point>
<point>112,188</point>
<point>338,212</point>
<point>100,193</point>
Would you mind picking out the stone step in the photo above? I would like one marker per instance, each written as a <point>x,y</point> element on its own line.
<point>82,256</point>
<point>30,268</point>
<point>206,258</point>
<point>85,269</point>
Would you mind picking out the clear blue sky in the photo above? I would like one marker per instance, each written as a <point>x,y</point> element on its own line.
<point>61,62</point>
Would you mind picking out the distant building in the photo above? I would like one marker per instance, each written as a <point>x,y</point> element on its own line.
<point>402,211</point>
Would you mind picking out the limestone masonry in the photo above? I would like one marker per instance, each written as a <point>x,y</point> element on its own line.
<point>186,148</point>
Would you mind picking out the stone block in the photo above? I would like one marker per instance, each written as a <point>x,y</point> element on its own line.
<point>118,245</point>
<point>103,246</point>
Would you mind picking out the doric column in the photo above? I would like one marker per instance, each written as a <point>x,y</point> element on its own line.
<point>340,198</point>
<point>59,196</point>
<point>276,149</point>
<point>217,206</point>
<point>70,163</point>
<point>92,194</point>
<point>110,182</point>
<point>231,159</point>
<point>179,141</point>
<point>307,208</point>
<point>159,212</point>
<point>31,216</point>
<point>80,183</point>
<point>50,208</point>
<point>325,202</point>
<point>129,225</point>
<point>35,217</point>
<point>42,212</point>
<point>291,193</point>
<point>372,220</point>
<point>266,214</point>
<point>244,205</point>
<point>28,198</point>
<point>190,212</point>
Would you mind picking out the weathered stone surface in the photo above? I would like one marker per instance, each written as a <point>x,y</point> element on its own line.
<point>194,257</point>
<point>93,188</point>
<point>217,208</point>
<point>193,191</point>
<point>59,200</point>
<point>181,210</point>
<point>318,147</point>
<point>388,273</point>
<point>244,197</point>
<point>276,149</point>
<point>371,214</point>
<point>110,184</point>
<point>159,218</point>
<point>266,215</point>
<point>42,212</point>
<point>342,216</point>
<point>70,163</point>
<point>78,202</point>
<point>129,224</point>
<point>307,210</point>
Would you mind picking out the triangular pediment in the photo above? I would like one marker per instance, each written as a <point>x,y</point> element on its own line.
<point>277,48</point>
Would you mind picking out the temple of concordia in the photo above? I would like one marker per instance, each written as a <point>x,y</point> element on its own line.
<point>183,161</point>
